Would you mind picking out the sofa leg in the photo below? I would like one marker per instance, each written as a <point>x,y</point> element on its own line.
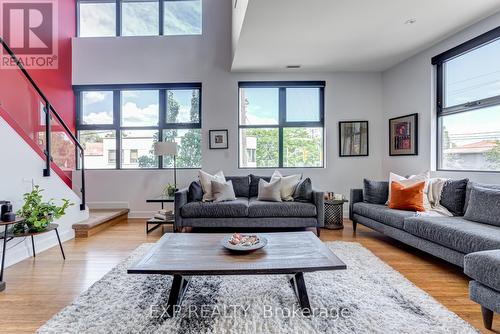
<point>318,231</point>
<point>354,225</point>
<point>487,317</point>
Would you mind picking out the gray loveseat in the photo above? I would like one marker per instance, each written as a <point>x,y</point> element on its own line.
<point>465,243</point>
<point>248,212</point>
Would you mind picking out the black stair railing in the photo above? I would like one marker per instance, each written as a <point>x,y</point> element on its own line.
<point>50,112</point>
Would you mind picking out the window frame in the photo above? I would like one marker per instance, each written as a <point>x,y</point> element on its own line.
<point>117,105</point>
<point>282,122</point>
<point>442,111</point>
<point>118,17</point>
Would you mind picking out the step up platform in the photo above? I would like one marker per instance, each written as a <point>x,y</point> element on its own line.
<point>99,219</point>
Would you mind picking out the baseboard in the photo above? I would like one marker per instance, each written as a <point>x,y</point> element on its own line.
<point>108,205</point>
<point>24,251</point>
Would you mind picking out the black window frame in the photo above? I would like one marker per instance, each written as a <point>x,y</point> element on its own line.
<point>118,17</point>
<point>116,126</point>
<point>282,122</point>
<point>442,111</point>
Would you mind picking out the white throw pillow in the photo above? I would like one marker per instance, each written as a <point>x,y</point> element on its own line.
<point>411,180</point>
<point>223,191</point>
<point>269,191</point>
<point>288,184</point>
<point>206,183</point>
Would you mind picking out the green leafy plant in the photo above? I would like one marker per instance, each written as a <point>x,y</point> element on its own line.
<point>38,214</point>
<point>169,190</point>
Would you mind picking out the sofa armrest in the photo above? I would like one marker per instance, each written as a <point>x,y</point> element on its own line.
<point>319,201</point>
<point>356,197</point>
<point>181,199</point>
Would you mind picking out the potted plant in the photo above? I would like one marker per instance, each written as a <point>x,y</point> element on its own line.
<point>38,214</point>
<point>169,190</point>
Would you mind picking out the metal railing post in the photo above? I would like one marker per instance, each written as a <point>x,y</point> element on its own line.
<point>82,189</point>
<point>48,155</point>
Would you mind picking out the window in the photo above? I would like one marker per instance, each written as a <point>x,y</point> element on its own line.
<point>121,123</point>
<point>281,124</point>
<point>102,18</point>
<point>468,105</point>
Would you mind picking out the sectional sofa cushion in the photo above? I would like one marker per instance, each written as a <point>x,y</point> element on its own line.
<point>484,206</point>
<point>382,213</point>
<point>195,192</point>
<point>454,232</point>
<point>254,184</point>
<point>470,185</point>
<point>453,196</point>
<point>375,192</point>
<point>241,185</point>
<point>232,209</point>
<point>258,208</point>
<point>484,267</point>
<point>303,191</point>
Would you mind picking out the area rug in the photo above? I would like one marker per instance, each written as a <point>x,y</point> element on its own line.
<point>368,297</point>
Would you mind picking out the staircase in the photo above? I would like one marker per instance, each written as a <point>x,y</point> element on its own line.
<point>29,112</point>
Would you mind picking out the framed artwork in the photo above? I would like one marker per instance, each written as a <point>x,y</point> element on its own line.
<point>218,139</point>
<point>403,135</point>
<point>353,139</point>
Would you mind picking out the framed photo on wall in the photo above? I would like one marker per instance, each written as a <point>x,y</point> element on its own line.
<point>353,139</point>
<point>218,139</point>
<point>403,135</point>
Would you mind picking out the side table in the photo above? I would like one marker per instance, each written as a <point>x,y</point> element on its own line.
<point>159,222</point>
<point>334,214</point>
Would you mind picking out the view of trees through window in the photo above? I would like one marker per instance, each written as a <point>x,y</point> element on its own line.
<point>274,133</point>
<point>139,126</point>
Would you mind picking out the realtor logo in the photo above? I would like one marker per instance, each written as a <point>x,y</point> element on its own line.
<point>29,27</point>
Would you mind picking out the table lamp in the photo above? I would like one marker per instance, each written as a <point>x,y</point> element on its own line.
<point>167,148</point>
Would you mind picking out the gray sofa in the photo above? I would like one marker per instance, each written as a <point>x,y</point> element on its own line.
<point>465,243</point>
<point>248,212</point>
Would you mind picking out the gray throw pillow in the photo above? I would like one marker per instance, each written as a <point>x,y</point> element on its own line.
<point>241,185</point>
<point>223,191</point>
<point>453,196</point>
<point>195,192</point>
<point>375,192</point>
<point>303,191</point>
<point>470,185</point>
<point>269,191</point>
<point>484,206</point>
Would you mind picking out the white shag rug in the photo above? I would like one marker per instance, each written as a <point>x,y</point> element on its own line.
<point>368,297</point>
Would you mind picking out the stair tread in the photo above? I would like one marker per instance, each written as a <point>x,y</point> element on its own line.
<point>100,216</point>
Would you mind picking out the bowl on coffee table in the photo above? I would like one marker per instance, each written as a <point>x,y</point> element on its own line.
<point>242,243</point>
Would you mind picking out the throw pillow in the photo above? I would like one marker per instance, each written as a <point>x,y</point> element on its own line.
<point>483,206</point>
<point>303,191</point>
<point>408,198</point>
<point>470,185</point>
<point>195,193</point>
<point>453,196</point>
<point>288,184</point>
<point>241,185</point>
<point>269,191</point>
<point>254,184</point>
<point>412,179</point>
<point>223,191</point>
<point>206,183</point>
<point>375,192</point>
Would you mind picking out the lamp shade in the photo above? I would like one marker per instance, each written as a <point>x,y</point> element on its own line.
<point>165,148</point>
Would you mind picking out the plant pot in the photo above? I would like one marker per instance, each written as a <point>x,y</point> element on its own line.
<point>42,226</point>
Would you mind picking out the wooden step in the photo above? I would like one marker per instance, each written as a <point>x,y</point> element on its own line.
<point>99,219</point>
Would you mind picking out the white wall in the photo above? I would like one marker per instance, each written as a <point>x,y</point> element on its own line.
<point>409,87</point>
<point>207,59</point>
<point>20,165</point>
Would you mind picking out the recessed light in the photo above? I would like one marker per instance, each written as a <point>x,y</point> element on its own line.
<point>292,66</point>
<point>410,21</point>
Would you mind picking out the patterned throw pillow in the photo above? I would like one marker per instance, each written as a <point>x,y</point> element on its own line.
<point>303,191</point>
<point>269,191</point>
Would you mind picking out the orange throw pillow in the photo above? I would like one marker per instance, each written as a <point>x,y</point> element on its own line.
<point>409,198</point>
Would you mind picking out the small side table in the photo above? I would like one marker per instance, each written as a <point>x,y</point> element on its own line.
<point>8,235</point>
<point>158,222</point>
<point>334,214</point>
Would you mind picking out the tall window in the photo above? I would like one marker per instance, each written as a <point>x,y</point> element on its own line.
<point>468,105</point>
<point>281,124</point>
<point>119,124</point>
<point>101,18</point>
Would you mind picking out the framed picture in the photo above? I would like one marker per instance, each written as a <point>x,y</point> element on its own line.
<point>403,135</point>
<point>353,139</point>
<point>218,139</point>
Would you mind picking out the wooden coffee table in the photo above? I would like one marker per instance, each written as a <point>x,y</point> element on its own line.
<point>195,254</point>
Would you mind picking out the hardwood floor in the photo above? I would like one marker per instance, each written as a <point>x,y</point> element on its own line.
<point>39,288</point>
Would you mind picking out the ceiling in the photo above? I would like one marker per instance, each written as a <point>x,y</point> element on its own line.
<point>346,35</point>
